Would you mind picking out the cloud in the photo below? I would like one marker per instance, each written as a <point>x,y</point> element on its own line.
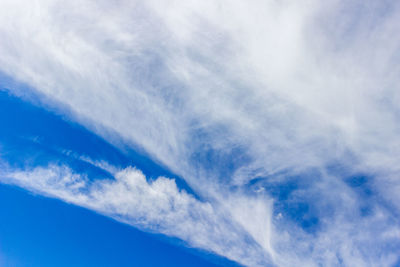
<point>238,99</point>
<point>156,205</point>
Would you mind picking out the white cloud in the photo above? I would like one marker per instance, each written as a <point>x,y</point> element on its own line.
<point>261,87</point>
<point>157,206</point>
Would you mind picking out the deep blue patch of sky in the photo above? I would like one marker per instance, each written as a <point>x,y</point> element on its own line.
<point>37,231</point>
<point>33,136</point>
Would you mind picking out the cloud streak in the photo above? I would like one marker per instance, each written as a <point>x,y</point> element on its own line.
<point>157,206</point>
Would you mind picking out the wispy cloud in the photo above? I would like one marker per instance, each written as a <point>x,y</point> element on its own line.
<point>237,99</point>
<point>157,206</point>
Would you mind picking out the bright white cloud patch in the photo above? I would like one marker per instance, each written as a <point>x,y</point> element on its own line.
<point>154,206</point>
<point>237,98</point>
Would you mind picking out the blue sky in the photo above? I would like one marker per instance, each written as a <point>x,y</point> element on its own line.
<point>38,231</point>
<point>201,133</point>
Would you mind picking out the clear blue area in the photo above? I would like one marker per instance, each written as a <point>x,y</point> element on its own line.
<point>32,136</point>
<point>38,231</point>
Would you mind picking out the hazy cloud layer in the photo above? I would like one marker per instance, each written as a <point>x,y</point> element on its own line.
<point>240,99</point>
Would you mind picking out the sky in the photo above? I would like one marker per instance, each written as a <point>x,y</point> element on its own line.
<point>199,133</point>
